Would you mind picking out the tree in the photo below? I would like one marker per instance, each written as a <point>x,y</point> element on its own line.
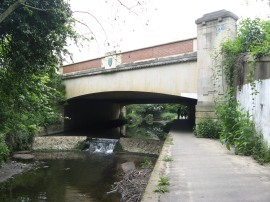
<point>33,38</point>
<point>11,9</point>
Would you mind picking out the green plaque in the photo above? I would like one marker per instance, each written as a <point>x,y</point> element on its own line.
<point>110,62</point>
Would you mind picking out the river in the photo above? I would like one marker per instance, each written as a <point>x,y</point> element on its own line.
<point>69,177</point>
<point>78,176</point>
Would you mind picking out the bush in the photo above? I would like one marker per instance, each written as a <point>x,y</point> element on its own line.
<point>168,116</point>
<point>134,120</point>
<point>261,151</point>
<point>239,130</point>
<point>149,119</point>
<point>237,127</point>
<point>207,128</point>
<point>4,152</point>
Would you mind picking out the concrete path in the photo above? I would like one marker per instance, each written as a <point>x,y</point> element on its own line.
<point>204,170</point>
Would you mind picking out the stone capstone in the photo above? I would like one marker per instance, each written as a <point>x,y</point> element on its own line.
<point>216,16</point>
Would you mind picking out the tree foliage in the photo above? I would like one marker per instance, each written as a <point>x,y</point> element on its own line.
<point>33,40</point>
<point>149,120</point>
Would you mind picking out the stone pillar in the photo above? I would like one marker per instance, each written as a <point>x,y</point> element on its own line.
<point>212,29</point>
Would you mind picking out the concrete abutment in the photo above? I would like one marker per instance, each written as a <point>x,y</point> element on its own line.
<point>212,29</point>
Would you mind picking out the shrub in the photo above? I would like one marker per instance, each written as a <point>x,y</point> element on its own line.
<point>149,119</point>
<point>260,150</point>
<point>134,120</point>
<point>237,127</point>
<point>4,151</point>
<point>239,130</point>
<point>168,116</point>
<point>207,128</point>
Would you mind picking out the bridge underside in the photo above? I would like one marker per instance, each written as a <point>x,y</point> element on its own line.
<point>98,113</point>
<point>128,97</point>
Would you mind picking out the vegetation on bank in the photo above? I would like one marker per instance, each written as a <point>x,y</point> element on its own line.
<point>163,184</point>
<point>235,126</point>
<point>207,128</point>
<point>151,120</point>
<point>32,43</point>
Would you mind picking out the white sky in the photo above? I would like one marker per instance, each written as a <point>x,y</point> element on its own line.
<point>114,27</point>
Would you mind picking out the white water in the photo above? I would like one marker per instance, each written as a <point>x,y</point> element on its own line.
<point>102,145</point>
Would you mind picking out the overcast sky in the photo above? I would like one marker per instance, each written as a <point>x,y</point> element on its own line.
<point>150,22</point>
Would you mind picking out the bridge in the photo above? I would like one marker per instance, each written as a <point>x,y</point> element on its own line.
<point>176,72</point>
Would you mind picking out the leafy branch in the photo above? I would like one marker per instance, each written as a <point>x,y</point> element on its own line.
<point>11,9</point>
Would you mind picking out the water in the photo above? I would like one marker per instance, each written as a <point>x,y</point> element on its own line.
<point>69,176</point>
<point>98,145</point>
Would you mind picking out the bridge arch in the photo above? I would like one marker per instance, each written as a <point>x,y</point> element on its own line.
<point>91,112</point>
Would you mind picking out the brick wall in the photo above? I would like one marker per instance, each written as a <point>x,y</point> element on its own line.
<point>164,50</point>
<point>158,51</point>
<point>90,64</point>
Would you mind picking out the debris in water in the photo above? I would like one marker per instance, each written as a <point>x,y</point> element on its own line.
<point>133,184</point>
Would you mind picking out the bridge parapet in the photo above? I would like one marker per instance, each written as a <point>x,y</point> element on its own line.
<point>113,59</point>
<point>151,63</point>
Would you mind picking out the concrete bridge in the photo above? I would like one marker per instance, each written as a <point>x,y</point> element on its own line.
<point>176,72</point>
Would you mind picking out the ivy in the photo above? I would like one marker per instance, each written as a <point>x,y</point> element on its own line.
<point>237,127</point>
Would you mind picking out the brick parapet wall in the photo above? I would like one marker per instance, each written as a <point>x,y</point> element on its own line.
<point>169,49</point>
<point>81,66</point>
<point>164,50</point>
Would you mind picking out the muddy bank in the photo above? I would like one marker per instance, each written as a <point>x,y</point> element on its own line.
<point>12,168</point>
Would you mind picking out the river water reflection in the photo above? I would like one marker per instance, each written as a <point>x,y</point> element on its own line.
<point>69,176</point>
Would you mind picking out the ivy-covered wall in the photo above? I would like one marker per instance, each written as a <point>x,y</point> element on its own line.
<point>258,104</point>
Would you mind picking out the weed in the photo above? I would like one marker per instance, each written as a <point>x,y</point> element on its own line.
<point>163,184</point>
<point>167,159</point>
<point>162,189</point>
<point>147,163</point>
<point>164,181</point>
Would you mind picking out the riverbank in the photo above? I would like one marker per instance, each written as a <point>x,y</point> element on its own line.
<point>12,168</point>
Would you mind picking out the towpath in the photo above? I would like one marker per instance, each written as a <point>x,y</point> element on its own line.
<point>204,170</point>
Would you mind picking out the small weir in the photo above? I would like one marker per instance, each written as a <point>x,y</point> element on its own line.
<point>99,145</point>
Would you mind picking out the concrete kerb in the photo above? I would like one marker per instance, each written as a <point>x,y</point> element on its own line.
<point>161,169</point>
